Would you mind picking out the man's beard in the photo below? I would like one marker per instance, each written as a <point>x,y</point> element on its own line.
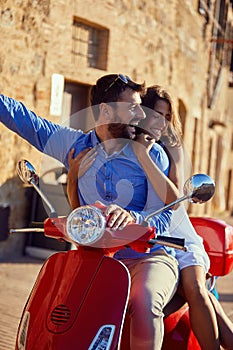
<point>119,131</point>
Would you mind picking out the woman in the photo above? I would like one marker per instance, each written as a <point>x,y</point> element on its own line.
<point>162,120</point>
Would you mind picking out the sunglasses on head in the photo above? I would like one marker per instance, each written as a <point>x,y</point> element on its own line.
<point>122,78</point>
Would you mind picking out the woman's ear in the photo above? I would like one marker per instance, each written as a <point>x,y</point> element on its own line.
<point>106,111</point>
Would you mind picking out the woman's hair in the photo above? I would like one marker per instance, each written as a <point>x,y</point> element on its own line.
<point>173,133</point>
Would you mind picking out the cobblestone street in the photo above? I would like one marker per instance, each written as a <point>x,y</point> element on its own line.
<point>16,280</point>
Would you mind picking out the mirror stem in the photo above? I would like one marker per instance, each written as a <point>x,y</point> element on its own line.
<point>187,196</point>
<point>53,213</point>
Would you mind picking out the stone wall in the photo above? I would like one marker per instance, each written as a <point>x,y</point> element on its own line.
<point>157,41</point>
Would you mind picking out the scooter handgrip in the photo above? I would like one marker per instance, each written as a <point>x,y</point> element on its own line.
<point>173,240</point>
<point>177,243</point>
<point>37,224</point>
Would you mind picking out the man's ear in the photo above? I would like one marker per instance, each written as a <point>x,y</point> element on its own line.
<point>106,110</point>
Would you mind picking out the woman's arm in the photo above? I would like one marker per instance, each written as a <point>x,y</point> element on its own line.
<point>77,168</point>
<point>163,186</point>
<point>176,160</point>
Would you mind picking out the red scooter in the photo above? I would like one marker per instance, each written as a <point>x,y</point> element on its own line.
<point>79,300</point>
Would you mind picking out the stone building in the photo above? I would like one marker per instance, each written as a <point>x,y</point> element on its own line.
<point>53,51</point>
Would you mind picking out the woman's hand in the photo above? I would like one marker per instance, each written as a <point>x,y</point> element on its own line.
<point>78,167</point>
<point>81,163</point>
<point>143,144</point>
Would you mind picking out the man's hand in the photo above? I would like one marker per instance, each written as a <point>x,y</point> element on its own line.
<point>119,217</point>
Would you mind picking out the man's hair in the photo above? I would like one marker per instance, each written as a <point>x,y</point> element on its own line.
<point>108,89</point>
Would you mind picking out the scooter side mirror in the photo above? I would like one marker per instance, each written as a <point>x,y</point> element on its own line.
<point>28,175</point>
<point>27,172</point>
<point>199,188</point>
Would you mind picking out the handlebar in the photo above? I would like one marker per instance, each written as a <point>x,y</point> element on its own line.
<point>56,228</point>
<point>25,230</point>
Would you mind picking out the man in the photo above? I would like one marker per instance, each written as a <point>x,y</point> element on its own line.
<point>117,180</point>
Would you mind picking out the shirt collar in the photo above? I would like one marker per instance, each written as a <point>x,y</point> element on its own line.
<point>126,150</point>
<point>94,139</point>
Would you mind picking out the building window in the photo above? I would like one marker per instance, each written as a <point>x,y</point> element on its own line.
<point>231,68</point>
<point>221,11</point>
<point>205,8</point>
<point>90,44</point>
<point>232,142</point>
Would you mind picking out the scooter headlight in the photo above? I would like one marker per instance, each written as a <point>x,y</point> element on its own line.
<point>85,225</point>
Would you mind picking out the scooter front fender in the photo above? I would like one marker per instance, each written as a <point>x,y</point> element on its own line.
<point>78,302</point>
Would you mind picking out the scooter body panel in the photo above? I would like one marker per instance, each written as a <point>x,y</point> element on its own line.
<point>76,295</point>
<point>178,333</point>
<point>218,243</point>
